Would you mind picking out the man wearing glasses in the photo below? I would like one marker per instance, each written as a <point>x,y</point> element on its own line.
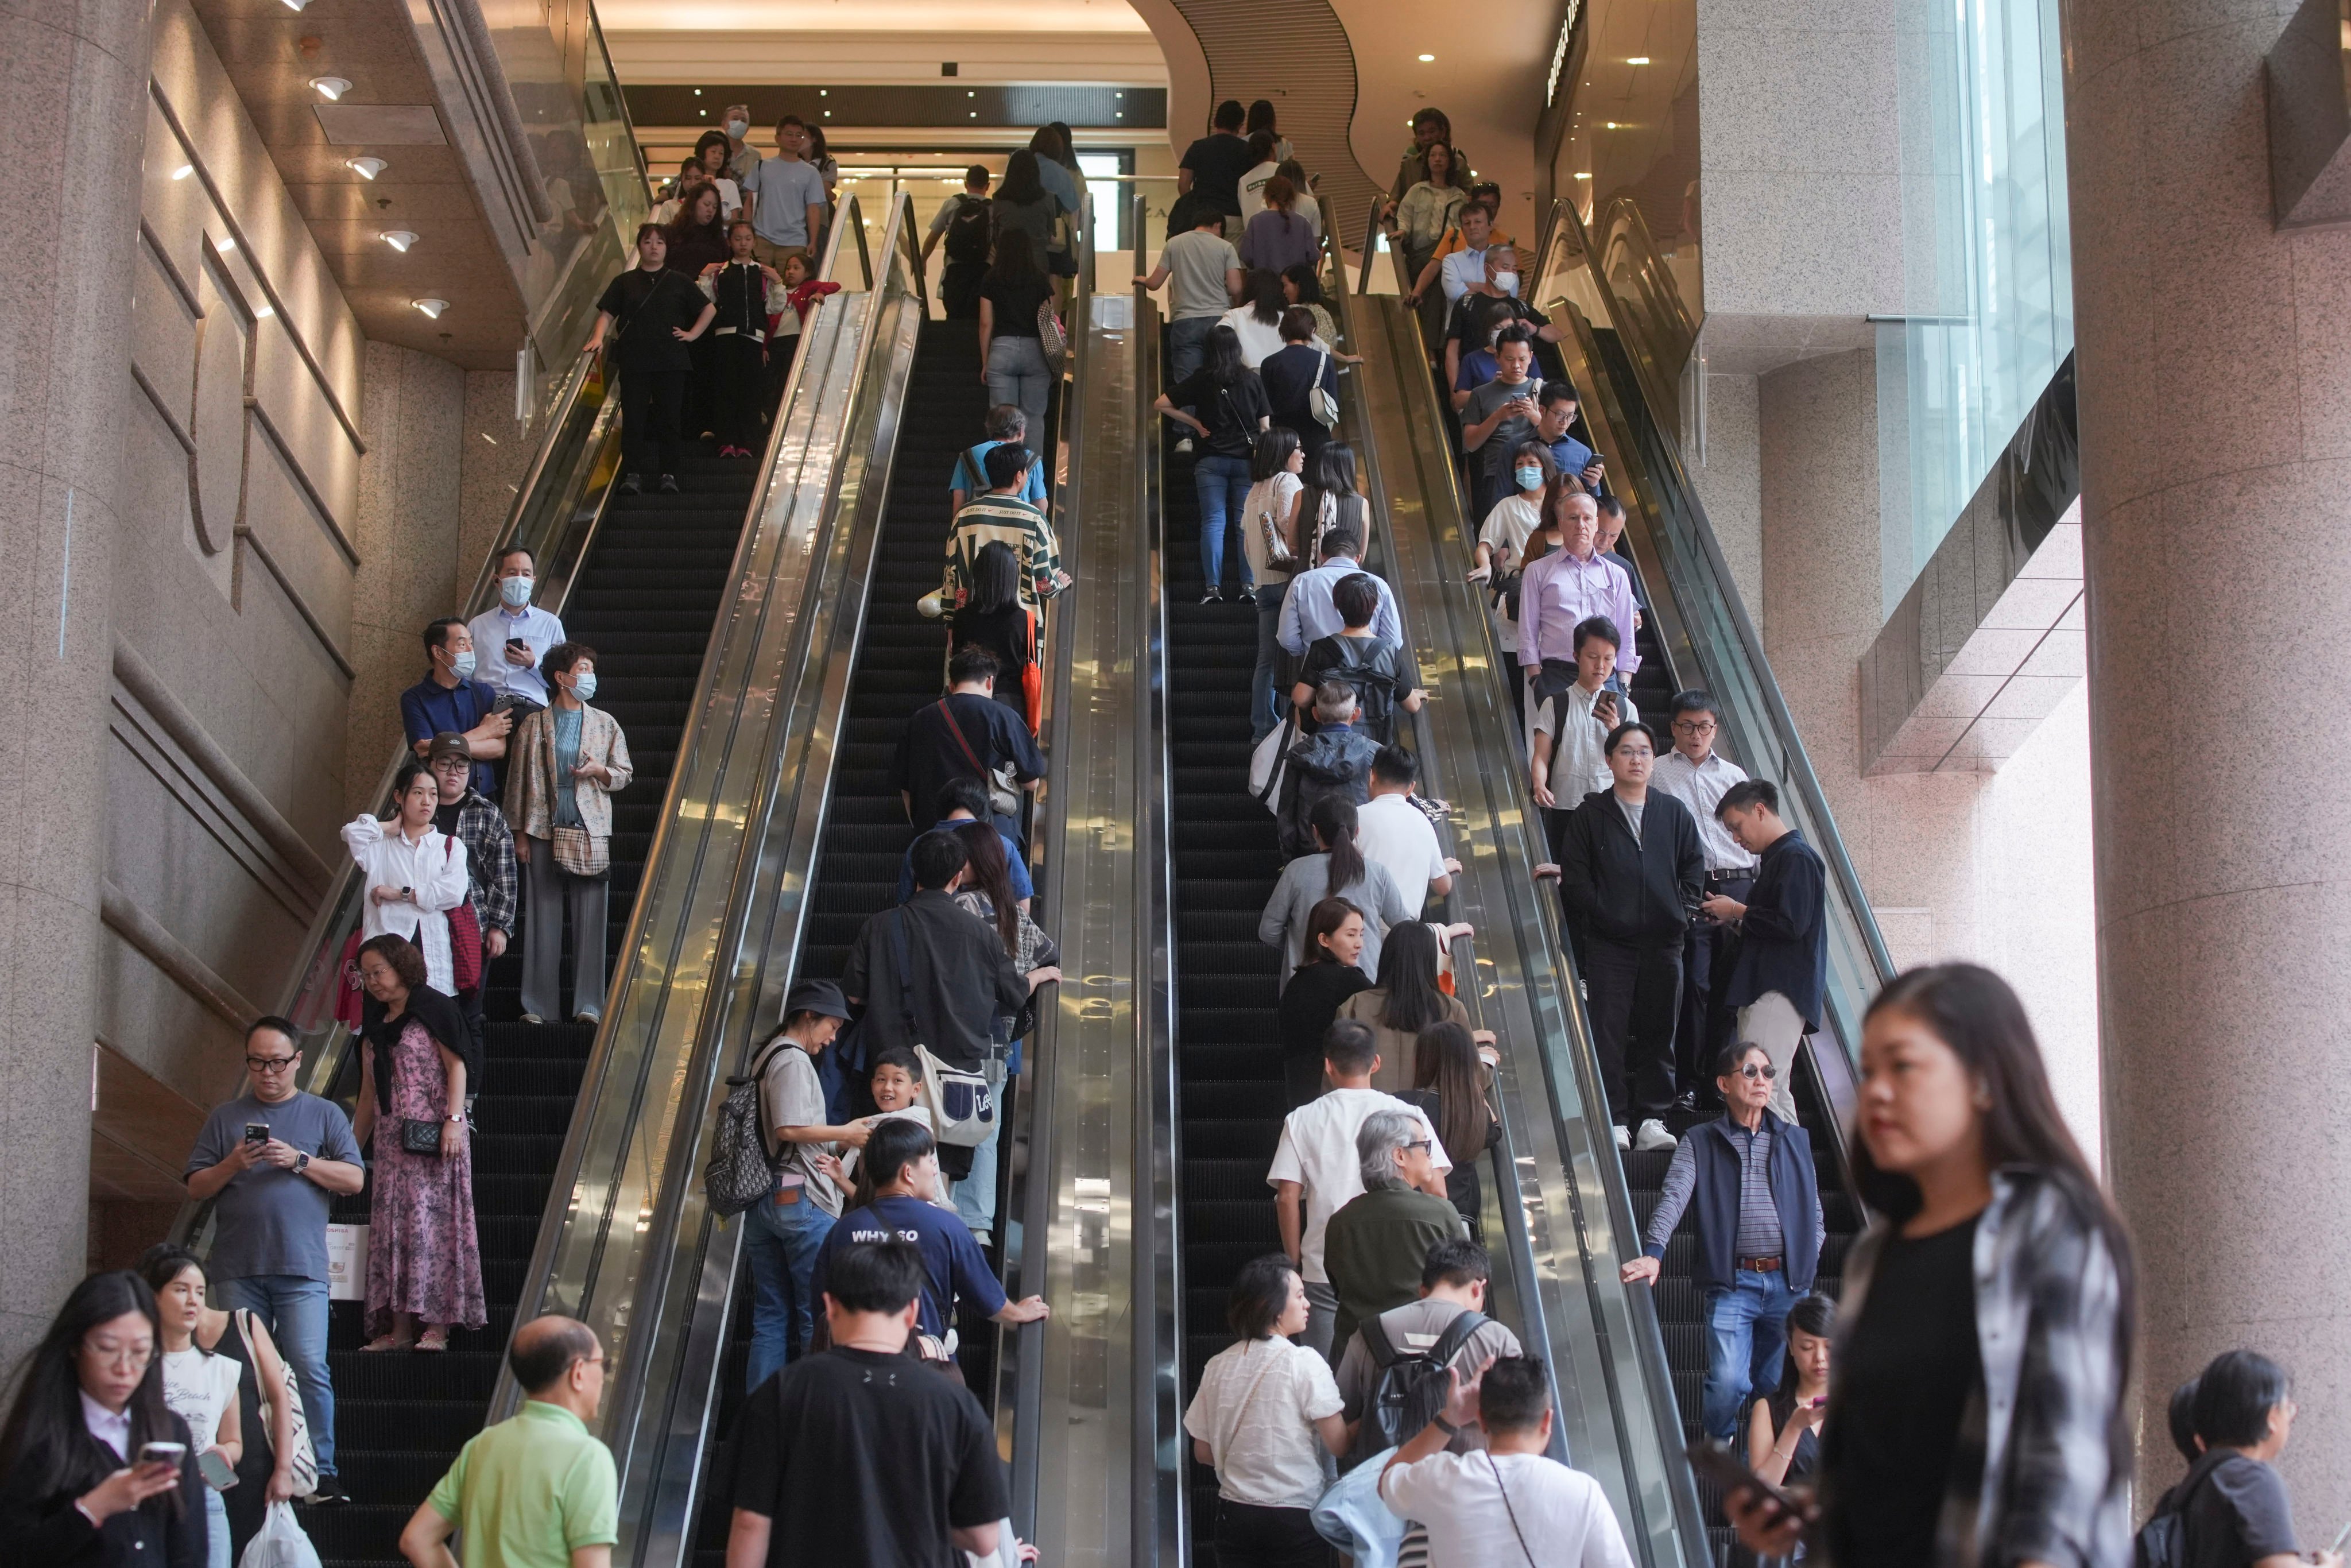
<point>1377,1244</point>
<point>271,1161</point>
<point>1697,774</point>
<point>1758,1233</point>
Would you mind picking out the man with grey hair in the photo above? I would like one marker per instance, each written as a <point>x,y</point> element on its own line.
<point>1375,1246</point>
<point>1004,423</point>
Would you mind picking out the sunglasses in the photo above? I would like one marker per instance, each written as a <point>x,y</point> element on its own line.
<point>1766,1072</point>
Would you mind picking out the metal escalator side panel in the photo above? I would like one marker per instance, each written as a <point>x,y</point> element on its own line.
<point>1616,1410</point>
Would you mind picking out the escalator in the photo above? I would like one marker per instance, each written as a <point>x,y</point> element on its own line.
<point>897,669</point>
<point>1696,633</point>
<point>644,597</point>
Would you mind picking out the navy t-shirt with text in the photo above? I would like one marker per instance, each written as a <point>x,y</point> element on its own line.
<point>952,1264</point>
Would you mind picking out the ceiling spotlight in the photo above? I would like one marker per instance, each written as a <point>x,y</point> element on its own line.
<point>1586,175</point>
<point>296,4</point>
<point>432,308</point>
<point>366,168</point>
<point>399,240</point>
<point>1613,126</point>
<point>331,89</point>
<point>184,171</point>
<point>264,313</point>
<point>1425,58</point>
<point>1637,61</point>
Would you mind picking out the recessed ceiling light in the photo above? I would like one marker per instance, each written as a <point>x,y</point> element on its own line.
<point>225,246</point>
<point>399,240</point>
<point>1425,58</point>
<point>264,313</point>
<point>1637,61</point>
<point>366,168</point>
<point>1612,125</point>
<point>330,88</point>
<point>184,171</point>
<point>824,92</point>
<point>432,308</point>
<point>698,92</point>
<point>296,4</point>
<point>1586,175</point>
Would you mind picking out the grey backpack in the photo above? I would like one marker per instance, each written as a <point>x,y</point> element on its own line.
<point>741,1172</point>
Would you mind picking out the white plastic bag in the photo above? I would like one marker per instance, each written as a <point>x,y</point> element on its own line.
<point>1269,763</point>
<point>281,1543</point>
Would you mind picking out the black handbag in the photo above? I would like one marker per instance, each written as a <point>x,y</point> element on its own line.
<point>419,1136</point>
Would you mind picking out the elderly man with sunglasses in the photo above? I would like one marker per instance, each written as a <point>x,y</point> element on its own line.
<point>1758,1204</point>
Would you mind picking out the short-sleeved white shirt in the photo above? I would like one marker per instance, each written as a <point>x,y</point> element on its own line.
<point>1394,832</point>
<point>1318,1152</point>
<point>1556,1517</point>
<point>1255,1409</point>
<point>1509,527</point>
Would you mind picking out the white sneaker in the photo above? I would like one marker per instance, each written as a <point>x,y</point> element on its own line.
<point>1624,1139</point>
<point>1652,1137</point>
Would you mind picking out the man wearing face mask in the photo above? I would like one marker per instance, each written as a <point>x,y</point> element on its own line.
<point>512,638</point>
<point>741,156</point>
<point>450,699</point>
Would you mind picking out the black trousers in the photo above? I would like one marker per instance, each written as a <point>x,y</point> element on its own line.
<point>1705,1027</point>
<point>701,406</point>
<point>780,349</point>
<point>738,368</point>
<point>1633,994</point>
<point>1249,1536</point>
<point>1302,1080</point>
<point>652,403</point>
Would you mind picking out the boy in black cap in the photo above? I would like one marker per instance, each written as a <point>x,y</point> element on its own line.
<point>784,1233</point>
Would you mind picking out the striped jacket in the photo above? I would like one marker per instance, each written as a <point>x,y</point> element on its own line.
<point>2042,1470</point>
<point>987,518</point>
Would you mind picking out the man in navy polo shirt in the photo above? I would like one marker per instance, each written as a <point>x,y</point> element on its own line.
<point>450,700</point>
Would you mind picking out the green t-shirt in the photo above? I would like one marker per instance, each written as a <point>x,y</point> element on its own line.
<point>530,1491</point>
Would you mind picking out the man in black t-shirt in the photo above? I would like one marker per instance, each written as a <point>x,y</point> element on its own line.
<point>967,734</point>
<point>2232,1503</point>
<point>657,313</point>
<point>863,1454</point>
<point>1213,165</point>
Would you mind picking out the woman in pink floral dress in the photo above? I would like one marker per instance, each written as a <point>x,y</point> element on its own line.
<point>424,1260</point>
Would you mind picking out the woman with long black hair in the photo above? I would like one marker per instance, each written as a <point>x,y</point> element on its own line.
<point>1331,498</point>
<point>1977,1414</point>
<point>1233,411</point>
<point>1448,1085</point>
<point>1783,1427</point>
<point>1404,1001</point>
<point>1012,359</point>
<point>1256,321</point>
<point>994,617</point>
<point>74,1492</point>
<point>1335,870</point>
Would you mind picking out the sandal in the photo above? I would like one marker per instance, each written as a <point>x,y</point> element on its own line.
<point>435,1341</point>
<point>386,1341</point>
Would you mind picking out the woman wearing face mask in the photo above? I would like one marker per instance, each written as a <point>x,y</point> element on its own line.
<point>74,1492</point>
<point>1987,1317</point>
<point>567,764</point>
<point>414,875</point>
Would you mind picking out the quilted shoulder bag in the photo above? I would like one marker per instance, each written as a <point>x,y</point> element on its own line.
<point>1050,338</point>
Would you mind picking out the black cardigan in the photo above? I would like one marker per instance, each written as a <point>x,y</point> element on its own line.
<point>51,1532</point>
<point>1627,891</point>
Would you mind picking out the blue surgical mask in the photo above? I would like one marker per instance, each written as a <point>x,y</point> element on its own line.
<point>462,666</point>
<point>584,686</point>
<point>515,591</point>
<point>1529,478</point>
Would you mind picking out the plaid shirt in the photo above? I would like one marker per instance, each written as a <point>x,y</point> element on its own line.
<point>2043,1465</point>
<point>489,858</point>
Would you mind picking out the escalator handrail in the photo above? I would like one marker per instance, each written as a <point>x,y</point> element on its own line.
<point>308,989</point>
<point>1651,1366</point>
<point>1564,225</point>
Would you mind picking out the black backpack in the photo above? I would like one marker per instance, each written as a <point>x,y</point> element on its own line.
<point>1412,1385</point>
<point>1370,670</point>
<point>1310,777</point>
<point>2162,1541</point>
<point>968,231</point>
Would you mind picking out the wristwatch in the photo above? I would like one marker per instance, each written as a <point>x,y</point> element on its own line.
<point>1447,1427</point>
<point>301,1164</point>
<point>407,895</point>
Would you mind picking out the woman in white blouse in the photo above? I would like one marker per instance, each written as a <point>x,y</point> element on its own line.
<point>1264,1404</point>
<point>201,1388</point>
<point>414,875</point>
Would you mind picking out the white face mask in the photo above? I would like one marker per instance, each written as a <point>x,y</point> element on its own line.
<point>1507,282</point>
<point>583,686</point>
<point>735,128</point>
<point>515,590</point>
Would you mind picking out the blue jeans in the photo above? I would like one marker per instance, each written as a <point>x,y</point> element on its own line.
<point>1018,374</point>
<point>1187,348</point>
<point>1266,705</point>
<point>1223,486</point>
<point>975,1195</point>
<point>782,1239</point>
<point>1747,1326</point>
<point>293,1310</point>
<point>216,1540</point>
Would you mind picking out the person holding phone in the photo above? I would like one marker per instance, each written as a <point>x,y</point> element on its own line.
<point>510,638</point>
<point>1570,722</point>
<point>1500,415</point>
<point>201,1387</point>
<point>1783,1427</point>
<point>1984,1359</point>
<point>96,1469</point>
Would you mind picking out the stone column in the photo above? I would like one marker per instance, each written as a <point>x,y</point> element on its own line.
<point>2215,360</point>
<point>71,115</point>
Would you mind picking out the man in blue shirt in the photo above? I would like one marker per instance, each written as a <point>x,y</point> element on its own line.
<point>1781,970</point>
<point>904,1164</point>
<point>449,700</point>
<point>513,637</point>
<point>1309,614</point>
<point>1555,406</point>
<point>1007,425</point>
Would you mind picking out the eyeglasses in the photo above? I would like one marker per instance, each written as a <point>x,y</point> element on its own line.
<point>1694,726</point>
<point>1766,1071</point>
<point>269,1063</point>
<point>1419,1143</point>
